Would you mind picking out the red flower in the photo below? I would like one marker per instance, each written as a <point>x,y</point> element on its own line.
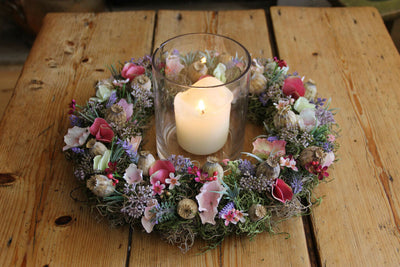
<point>294,87</point>
<point>281,62</point>
<point>102,130</point>
<point>160,171</point>
<point>130,71</point>
<point>281,191</point>
<point>316,168</point>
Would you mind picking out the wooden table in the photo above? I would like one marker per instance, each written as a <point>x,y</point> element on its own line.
<point>347,51</point>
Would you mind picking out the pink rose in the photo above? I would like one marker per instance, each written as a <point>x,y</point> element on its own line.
<point>101,130</point>
<point>160,171</point>
<point>294,87</point>
<point>130,71</point>
<point>281,191</point>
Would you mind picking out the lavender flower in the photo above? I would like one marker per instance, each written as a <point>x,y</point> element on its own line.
<point>127,146</point>
<point>272,138</point>
<point>296,184</point>
<point>137,200</point>
<point>113,98</point>
<point>228,207</point>
<point>324,116</point>
<point>78,150</point>
<point>327,146</point>
<point>75,121</point>
<point>246,166</point>
<point>180,163</point>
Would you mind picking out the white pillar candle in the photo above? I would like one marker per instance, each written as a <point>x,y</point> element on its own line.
<point>202,116</point>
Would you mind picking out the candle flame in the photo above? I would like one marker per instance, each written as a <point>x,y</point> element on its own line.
<point>201,107</point>
<point>203,60</point>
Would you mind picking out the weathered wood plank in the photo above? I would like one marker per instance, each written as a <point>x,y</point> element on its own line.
<point>64,63</point>
<point>250,28</point>
<point>9,75</point>
<point>350,55</point>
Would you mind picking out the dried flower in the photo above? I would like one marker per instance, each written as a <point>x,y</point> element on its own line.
<point>75,137</point>
<point>281,191</point>
<point>133,175</point>
<point>130,71</point>
<point>293,86</point>
<point>160,171</point>
<point>208,200</point>
<point>102,130</point>
<point>264,148</point>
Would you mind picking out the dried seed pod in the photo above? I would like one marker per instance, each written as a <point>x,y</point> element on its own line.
<point>146,159</point>
<point>311,153</point>
<point>116,114</point>
<point>258,83</point>
<point>269,169</point>
<point>285,118</point>
<point>96,148</point>
<point>187,208</point>
<point>311,89</point>
<point>212,166</point>
<point>196,70</point>
<point>257,212</point>
<point>100,185</point>
<point>142,82</point>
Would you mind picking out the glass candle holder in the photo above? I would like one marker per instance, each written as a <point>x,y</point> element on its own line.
<point>201,84</point>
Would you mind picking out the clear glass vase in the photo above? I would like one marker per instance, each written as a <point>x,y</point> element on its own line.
<point>201,84</point>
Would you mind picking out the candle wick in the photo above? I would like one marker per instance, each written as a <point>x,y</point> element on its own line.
<point>202,112</point>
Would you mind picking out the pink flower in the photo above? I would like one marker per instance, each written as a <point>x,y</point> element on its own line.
<point>173,65</point>
<point>102,130</point>
<point>208,201</point>
<point>233,216</point>
<point>128,108</point>
<point>173,181</point>
<point>160,171</point>
<point>130,71</point>
<point>75,137</point>
<point>281,191</point>
<point>133,175</point>
<point>264,148</point>
<point>148,219</point>
<point>288,162</point>
<point>158,188</point>
<point>293,86</point>
<point>331,138</point>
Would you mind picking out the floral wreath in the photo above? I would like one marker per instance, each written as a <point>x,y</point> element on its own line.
<point>182,200</point>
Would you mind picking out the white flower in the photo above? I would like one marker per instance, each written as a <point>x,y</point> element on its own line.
<point>303,103</point>
<point>100,162</point>
<point>173,181</point>
<point>103,92</point>
<point>75,137</point>
<point>133,175</point>
<point>307,120</point>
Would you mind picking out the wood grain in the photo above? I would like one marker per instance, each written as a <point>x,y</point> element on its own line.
<point>264,250</point>
<point>9,75</point>
<point>44,226</point>
<point>350,55</point>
